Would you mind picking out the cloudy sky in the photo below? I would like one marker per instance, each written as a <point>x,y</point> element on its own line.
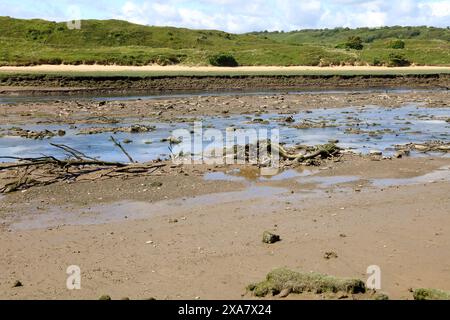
<point>241,15</point>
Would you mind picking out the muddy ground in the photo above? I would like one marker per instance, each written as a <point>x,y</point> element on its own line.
<point>191,108</point>
<point>129,244</point>
<point>177,234</point>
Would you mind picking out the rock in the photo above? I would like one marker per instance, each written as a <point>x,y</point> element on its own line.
<point>127,141</point>
<point>171,140</point>
<point>375,152</point>
<point>269,237</point>
<point>285,292</point>
<point>138,128</point>
<point>104,297</point>
<point>17,284</point>
<point>289,119</point>
<point>330,254</point>
<point>420,147</point>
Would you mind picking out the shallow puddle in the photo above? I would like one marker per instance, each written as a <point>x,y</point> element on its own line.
<point>441,174</point>
<point>130,210</point>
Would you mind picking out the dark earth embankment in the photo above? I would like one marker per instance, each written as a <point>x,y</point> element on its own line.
<point>48,84</point>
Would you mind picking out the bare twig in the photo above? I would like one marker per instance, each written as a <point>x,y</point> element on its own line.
<point>122,149</point>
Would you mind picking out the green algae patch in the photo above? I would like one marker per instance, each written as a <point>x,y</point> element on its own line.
<point>430,294</point>
<point>283,279</point>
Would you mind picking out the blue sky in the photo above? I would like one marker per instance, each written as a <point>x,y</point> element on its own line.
<point>240,15</point>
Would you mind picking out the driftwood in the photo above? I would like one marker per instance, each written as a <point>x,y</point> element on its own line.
<point>323,151</point>
<point>122,149</point>
<point>29,172</point>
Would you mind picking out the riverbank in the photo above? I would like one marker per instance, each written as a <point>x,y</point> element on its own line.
<point>115,79</point>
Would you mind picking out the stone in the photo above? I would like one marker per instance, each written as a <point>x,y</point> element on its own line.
<point>375,152</point>
<point>270,238</point>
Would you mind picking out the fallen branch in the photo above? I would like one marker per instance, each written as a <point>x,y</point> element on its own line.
<point>122,149</point>
<point>45,170</point>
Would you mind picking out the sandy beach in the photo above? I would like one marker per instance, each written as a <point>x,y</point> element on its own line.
<point>182,68</point>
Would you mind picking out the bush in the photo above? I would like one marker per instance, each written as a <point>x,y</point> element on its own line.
<point>223,60</point>
<point>397,44</point>
<point>354,43</point>
<point>398,60</point>
<point>376,62</point>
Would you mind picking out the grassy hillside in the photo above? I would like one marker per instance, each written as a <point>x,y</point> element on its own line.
<point>28,42</point>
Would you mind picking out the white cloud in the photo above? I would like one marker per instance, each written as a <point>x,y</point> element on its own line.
<point>245,15</point>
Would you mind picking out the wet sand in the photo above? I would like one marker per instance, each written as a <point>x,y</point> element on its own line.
<point>176,234</point>
<point>128,245</point>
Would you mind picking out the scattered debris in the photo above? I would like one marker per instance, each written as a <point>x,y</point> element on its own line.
<point>436,146</point>
<point>136,128</point>
<point>37,135</point>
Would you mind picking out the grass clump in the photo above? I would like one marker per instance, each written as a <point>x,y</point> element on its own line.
<point>299,282</point>
<point>396,44</point>
<point>430,294</point>
<point>223,60</point>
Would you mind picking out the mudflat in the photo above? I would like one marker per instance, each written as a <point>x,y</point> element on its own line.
<point>195,231</point>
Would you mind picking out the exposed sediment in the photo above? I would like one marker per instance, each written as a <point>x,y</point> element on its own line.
<point>48,84</point>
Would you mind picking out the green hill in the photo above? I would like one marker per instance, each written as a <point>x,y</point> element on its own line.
<point>28,42</point>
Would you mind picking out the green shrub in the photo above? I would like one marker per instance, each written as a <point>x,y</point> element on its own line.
<point>398,60</point>
<point>223,60</point>
<point>354,43</point>
<point>430,294</point>
<point>396,44</point>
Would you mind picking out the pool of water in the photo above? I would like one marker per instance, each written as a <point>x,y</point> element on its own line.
<point>358,128</point>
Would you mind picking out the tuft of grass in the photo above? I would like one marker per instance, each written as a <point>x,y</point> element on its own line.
<point>430,294</point>
<point>299,282</point>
